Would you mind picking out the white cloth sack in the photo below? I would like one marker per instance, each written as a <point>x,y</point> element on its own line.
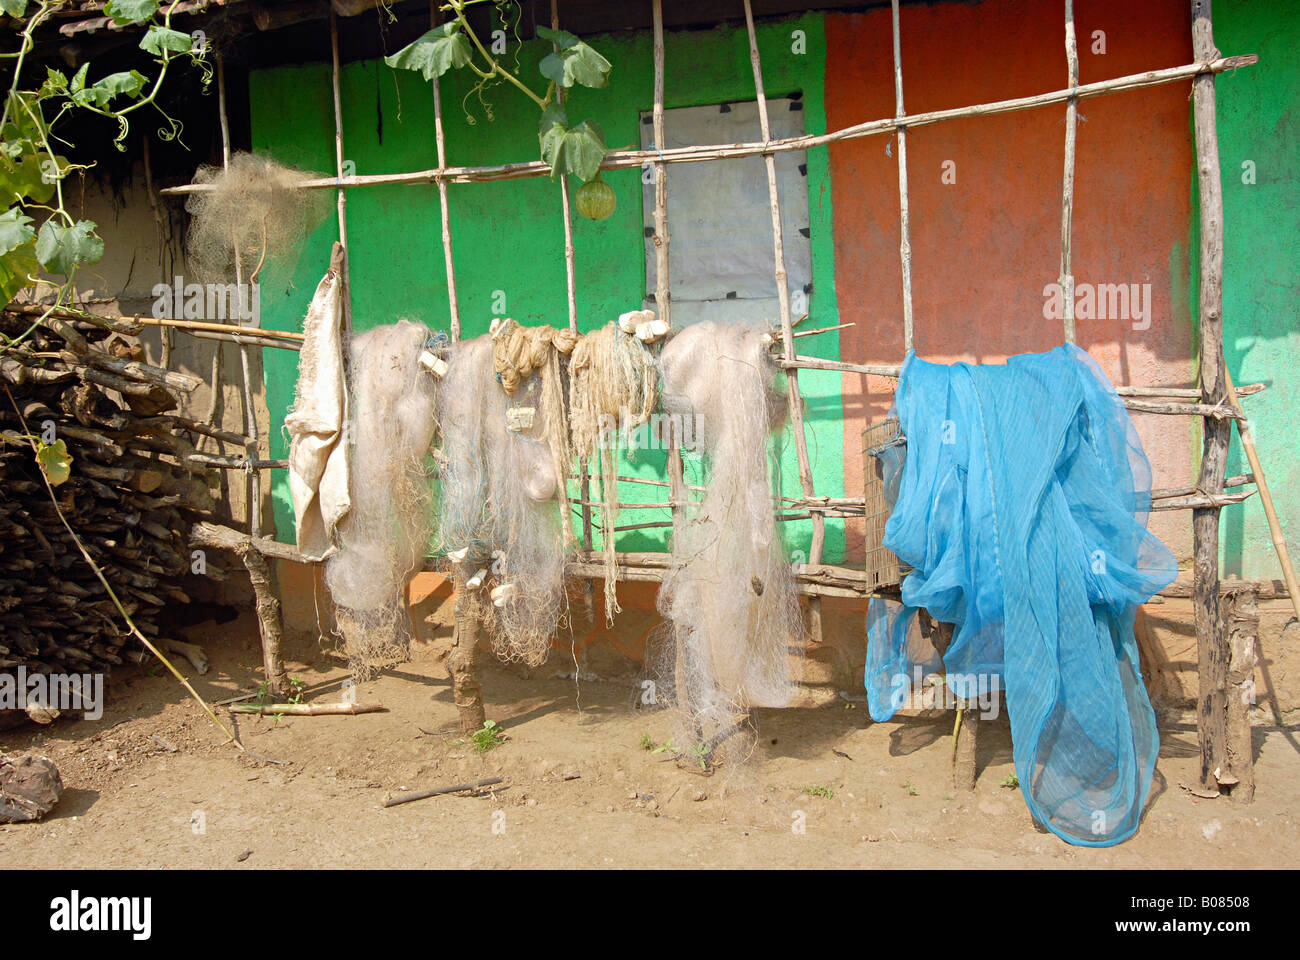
<point>318,456</point>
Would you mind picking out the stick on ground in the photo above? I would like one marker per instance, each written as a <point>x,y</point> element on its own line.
<point>425,794</point>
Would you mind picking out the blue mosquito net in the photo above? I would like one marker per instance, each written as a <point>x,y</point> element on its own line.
<point>1022,507</point>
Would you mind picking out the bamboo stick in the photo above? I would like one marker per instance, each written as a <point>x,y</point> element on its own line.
<point>663,292</point>
<point>1167,492</point>
<point>117,322</point>
<point>565,203</point>
<point>1198,501</point>
<point>1211,644</point>
<point>782,284</point>
<point>151,191</point>
<point>816,363</point>
<point>306,709</point>
<point>240,338</point>
<point>453,304</point>
<point>1067,184</point>
<point>214,401</point>
<point>905,238</point>
<point>787,325</point>
<point>1247,436</point>
<point>336,82</point>
<point>810,333</point>
<point>425,794</point>
<point>629,159</point>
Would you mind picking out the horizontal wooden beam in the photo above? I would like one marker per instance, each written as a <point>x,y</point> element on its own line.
<point>629,159</point>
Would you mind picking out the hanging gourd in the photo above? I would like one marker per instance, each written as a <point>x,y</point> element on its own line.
<point>595,199</point>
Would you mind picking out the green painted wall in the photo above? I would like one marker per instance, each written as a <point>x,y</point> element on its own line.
<point>508,236</point>
<point>1259,122</point>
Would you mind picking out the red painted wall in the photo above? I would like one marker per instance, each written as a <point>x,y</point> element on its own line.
<point>984,247</point>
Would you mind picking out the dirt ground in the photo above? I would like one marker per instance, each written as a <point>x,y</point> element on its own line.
<point>151,784</point>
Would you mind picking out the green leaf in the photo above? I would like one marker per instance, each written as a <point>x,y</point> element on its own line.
<point>442,48</point>
<point>124,11</point>
<point>129,83</point>
<point>29,177</point>
<point>579,150</point>
<point>55,461</point>
<point>60,248</point>
<point>15,8</point>
<point>14,230</point>
<point>78,82</point>
<point>56,81</point>
<point>159,39</point>
<point>15,267</point>
<point>575,62</point>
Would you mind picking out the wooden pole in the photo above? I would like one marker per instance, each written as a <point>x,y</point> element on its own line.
<point>1212,647</point>
<point>265,589</point>
<point>338,165</point>
<point>564,201</point>
<point>462,665</point>
<point>787,326</point>
<point>453,305</point>
<point>1242,616</point>
<point>1247,435</point>
<point>252,479</point>
<point>905,241</point>
<point>214,401</point>
<point>629,159</point>
<point>663,296</point>
<point>166,334</point>
<point>1067,189</point>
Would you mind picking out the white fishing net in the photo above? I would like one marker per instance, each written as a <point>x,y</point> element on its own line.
<point>500,520</point>
<point>732,612</point>
<point>384,536</point>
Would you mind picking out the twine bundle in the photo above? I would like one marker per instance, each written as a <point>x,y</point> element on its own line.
<point>611,376</point>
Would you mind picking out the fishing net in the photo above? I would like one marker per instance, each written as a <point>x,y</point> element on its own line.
<point>731,611</point>
<point>254,212</point>
<point>1022,510</point>
<point>613,388</point>
<point>502,463</point>
<point>383,537</point>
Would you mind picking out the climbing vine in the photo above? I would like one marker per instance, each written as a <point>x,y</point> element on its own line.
<point>568,148</point>
<point>32,171</point>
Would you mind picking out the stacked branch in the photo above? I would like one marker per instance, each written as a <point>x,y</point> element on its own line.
<point>131,494</point>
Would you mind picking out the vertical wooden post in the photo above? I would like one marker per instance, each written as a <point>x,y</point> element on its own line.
<point>214,400</point>
<point>904,216</point>
<point>253,478</point>
<point>1242,617</point>
<point>1212,647</point>
<point>662,294</point>
<point>787,326</point>
<point>453,304</point>
<point>564,201</point>
<point>1066,278</point>
<point>338,167</point>
<point>462,666</point>
<point>267,591</point>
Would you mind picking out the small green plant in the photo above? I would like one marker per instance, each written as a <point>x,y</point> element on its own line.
<point>911,790</point>
<point>700,752</point>
<point>1010,781</point>
<point>646,742</point>
<point>668,746</point>
<point>817,790</point>
<point>487,736</point>
<point>296,690</point>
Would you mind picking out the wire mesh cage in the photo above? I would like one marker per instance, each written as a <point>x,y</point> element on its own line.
<point>883,449</point>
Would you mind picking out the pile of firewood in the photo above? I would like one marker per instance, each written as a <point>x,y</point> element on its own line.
<point>135,486</point>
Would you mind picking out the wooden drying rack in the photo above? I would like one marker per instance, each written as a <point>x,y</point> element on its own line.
<point>1211,400</point>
